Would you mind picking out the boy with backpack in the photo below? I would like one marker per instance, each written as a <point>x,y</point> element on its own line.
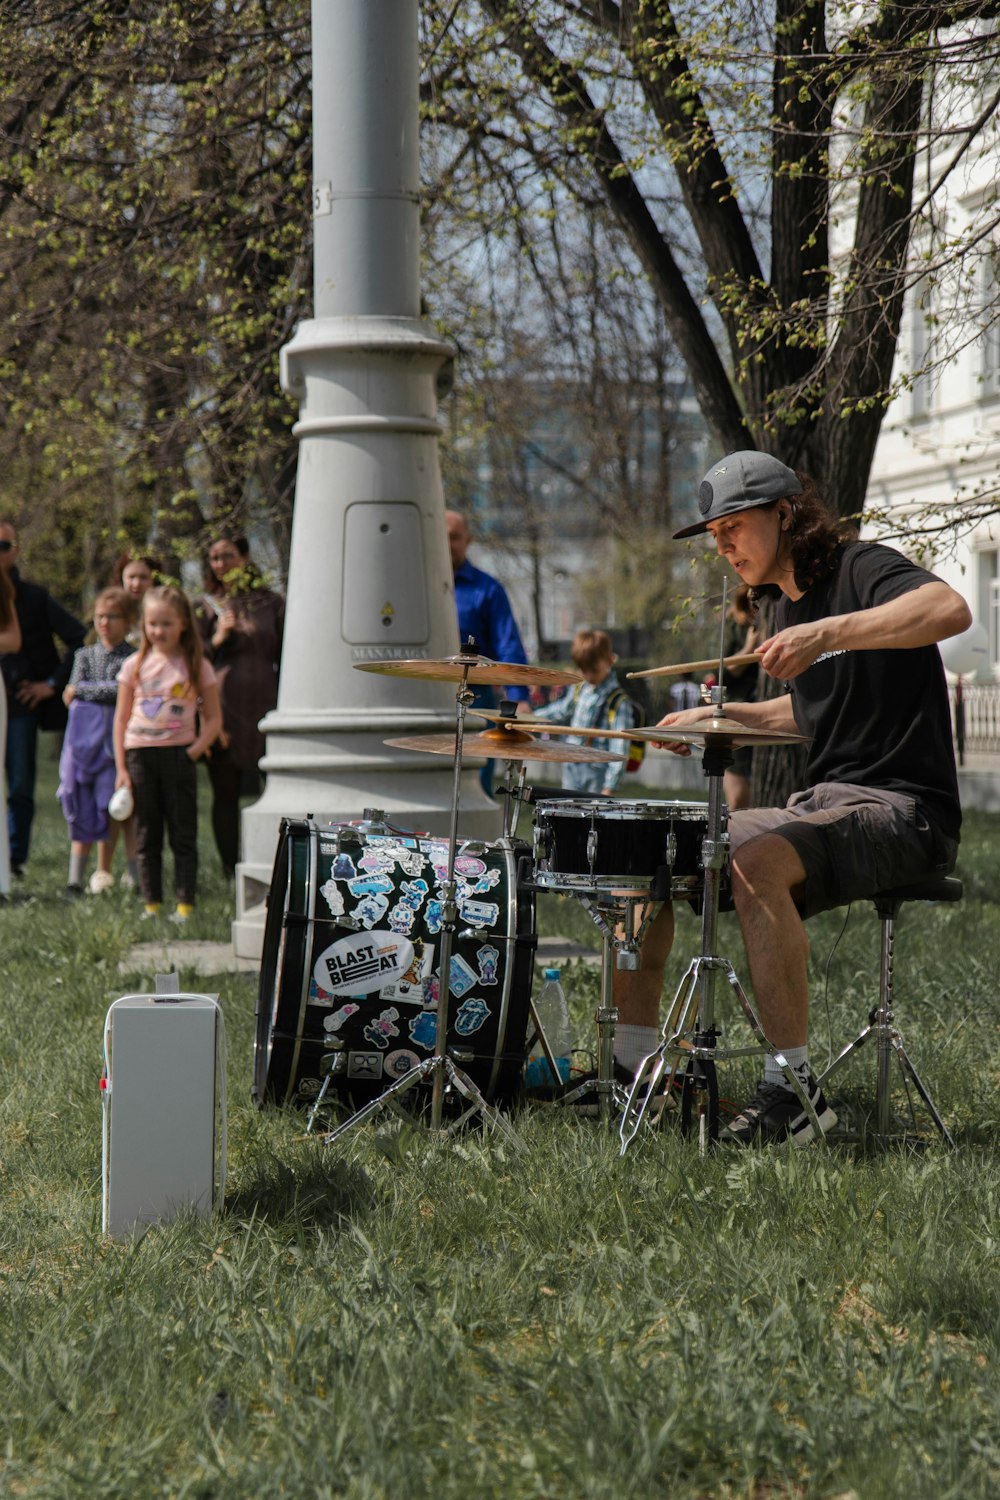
<point>599,702</point>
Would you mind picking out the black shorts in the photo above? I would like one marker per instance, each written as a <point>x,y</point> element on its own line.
<point>853,841</point>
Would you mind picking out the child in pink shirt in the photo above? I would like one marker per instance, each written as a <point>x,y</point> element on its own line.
<point>167,717</point>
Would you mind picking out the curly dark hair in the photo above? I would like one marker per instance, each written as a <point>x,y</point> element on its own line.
<point>814,534</point>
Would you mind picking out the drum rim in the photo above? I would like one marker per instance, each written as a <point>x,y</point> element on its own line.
<point>556,880</point>
<point>615,809</point>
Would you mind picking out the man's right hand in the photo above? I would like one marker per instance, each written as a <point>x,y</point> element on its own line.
<point>684,718</point>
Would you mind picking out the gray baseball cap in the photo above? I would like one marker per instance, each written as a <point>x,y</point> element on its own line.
<point>738,482</point>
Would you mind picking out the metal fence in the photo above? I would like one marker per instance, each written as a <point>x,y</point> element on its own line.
<point>975,717</point>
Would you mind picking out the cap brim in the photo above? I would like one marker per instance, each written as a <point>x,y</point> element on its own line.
<point>730,510</point>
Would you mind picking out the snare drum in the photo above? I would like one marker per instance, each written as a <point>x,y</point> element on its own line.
<point>349,971</point>
<point>597,844</point>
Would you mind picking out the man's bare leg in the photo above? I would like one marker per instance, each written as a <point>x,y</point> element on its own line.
<point>636,992</point>
<point>765,873</point>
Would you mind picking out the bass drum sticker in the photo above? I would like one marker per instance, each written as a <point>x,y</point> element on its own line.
<point>363,962</point>
<point>397,1064</point>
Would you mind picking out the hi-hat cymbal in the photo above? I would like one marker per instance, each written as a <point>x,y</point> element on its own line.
<point>718,729</point>
<point>482,672</point>
<point>501,744</point>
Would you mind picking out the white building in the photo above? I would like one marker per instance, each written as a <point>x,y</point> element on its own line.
<point>938,457</point>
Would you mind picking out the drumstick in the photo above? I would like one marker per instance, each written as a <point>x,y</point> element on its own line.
<point>742,660</point>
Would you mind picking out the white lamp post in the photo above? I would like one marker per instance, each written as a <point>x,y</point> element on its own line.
<point>369,572</point>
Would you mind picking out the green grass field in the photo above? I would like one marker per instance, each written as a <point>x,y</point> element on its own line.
<point>397,1315</point>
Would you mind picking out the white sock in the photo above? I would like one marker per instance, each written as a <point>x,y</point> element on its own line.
<point>633,1043</point>
<point>77,868</point>
<point>797,1059</point>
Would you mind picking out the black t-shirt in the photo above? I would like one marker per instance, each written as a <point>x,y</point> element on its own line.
<point>877,718</point>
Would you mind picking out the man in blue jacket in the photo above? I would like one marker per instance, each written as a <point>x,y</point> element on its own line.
<point>485,615</point>
<point>34,679</point>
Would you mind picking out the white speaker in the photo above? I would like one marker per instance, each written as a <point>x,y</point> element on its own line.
<point>164,1109</point>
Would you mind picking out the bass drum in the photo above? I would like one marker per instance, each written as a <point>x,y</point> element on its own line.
<point>350,965</point>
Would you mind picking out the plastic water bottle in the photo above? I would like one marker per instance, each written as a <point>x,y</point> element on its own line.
<point>553,1014</point>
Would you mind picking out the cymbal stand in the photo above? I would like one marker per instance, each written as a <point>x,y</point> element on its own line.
<point>440,1068</point>
<point>695,995</point>
<point>623,953</point>
<point>513,798</point>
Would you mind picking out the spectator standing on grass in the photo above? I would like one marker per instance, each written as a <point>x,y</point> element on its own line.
<point>242,623</point>
<point>10,640</point>
<point>161,690</point>
<point>485,615</point>
<point>135,573</point>
<point>598,703</point>
<point>87,762</point>
<point>34,678</point>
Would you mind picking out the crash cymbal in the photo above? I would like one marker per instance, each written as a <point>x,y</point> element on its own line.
<point>482,671</point>
<point>501,744</point>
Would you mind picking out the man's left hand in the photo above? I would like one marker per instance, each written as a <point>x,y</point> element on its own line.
<point>31,694</point>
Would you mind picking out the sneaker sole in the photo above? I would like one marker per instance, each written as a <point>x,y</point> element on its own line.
<point>801,1131</point>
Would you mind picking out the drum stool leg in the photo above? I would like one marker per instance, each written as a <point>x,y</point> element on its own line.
<point>881,1020</point>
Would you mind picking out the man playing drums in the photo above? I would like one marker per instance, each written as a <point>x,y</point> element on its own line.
<point>856,643</point>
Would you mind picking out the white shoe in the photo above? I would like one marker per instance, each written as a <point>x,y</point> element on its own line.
<point>100,881</point>
<point>127,881</point>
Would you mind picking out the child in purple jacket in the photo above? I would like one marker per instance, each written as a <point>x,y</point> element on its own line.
<point>87,762</point>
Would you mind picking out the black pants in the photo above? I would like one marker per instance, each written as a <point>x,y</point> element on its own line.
<point>164,785</point>
<point>230,782</point>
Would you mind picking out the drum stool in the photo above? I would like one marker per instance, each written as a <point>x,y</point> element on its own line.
<point>881,1022</point>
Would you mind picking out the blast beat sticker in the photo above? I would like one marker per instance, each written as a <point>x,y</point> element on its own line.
<point>363,962</point>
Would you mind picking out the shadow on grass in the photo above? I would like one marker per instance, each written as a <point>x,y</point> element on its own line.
<point>318,1193</point>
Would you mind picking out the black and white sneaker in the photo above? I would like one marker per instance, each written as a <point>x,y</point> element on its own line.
<point>775,1114</point>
